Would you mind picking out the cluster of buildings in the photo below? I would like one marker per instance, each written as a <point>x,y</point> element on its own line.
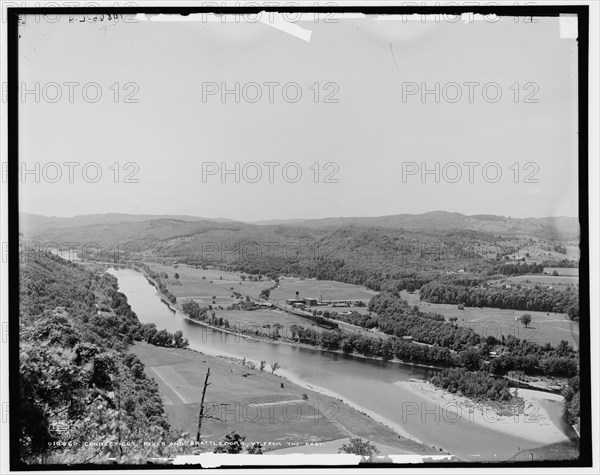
<point>302,302</point>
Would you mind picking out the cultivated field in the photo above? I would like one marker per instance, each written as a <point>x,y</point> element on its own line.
<point>258,318</point>
<point>551,328</point>
<point>201,285</point>
<point>254,403</point>
<point>329,289</point>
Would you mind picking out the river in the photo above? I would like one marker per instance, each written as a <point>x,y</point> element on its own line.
<point>361,382</point>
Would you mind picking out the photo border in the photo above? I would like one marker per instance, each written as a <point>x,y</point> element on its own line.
<point>582,12</point>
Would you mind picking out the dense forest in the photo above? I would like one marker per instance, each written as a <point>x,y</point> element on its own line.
<point>84,397</point>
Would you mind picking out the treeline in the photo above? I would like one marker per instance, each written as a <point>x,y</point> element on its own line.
<point>396,318</point>
<point>387,349</point>
<point>534,299</point>
<point>565,263</point>
<point>132,328</point>
<point>476,385</point>
<point>159,279</point>
<point>193,310</point>
<point>78,382</point>
<point>559,248</point>
<point>520,269</point>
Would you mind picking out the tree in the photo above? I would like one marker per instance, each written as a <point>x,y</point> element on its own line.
<point>526,319</point>
<point>274,367</point>
<point>233,444</point>
<point>255,449</point>
<point>265,293</point>
<point>202,414</point>
<point>262,365</point>
<point>176,275</point>
<point>357,446</point>
<point>555,273</point>
<point>563,348</point>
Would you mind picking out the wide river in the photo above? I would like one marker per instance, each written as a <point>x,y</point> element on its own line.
<point>365,383</point>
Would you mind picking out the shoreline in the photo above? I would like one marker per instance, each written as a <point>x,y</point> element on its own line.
<point>373,415</point>
<point>288,377</point>
<point>266,339</point>
<point>399,430</point>
<point>533,424</point>
<point>506,425</point>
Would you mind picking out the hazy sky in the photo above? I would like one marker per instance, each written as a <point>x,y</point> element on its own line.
<point>369,136</point>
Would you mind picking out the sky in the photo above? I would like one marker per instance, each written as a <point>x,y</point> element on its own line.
<point>161,137</point>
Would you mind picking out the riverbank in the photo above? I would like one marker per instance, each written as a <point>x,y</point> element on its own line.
<point>264,338</point>
<point>533,422</point>
<point>367,382</point>
<point>267,408</point>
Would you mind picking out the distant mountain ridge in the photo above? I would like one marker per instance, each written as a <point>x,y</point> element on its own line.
<point>32,221</point>
<point>560,227</point>
<point>166,226</point>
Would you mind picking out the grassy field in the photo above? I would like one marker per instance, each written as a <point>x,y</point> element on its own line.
<point>486,321</point>
<point>329,289</point>
<point>539,255</point>
<point>259,318</point>
<point>264,407</point>
<point>201,285</point>
<point>560,451</point>
<point>560,282</point>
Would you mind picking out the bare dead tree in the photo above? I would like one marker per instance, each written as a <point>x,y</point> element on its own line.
<point>202,415</point>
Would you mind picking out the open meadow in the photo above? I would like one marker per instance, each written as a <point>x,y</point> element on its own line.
<point>202,285</point>
<point>257,319</point>
<point>264,407</point>
<point>329,289</point>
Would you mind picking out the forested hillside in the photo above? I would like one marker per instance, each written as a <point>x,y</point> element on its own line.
<point>84,397</point>
<point>402,251</point>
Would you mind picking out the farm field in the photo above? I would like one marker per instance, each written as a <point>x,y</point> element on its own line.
<point>331,290</point>
<point>254,403</point>
<point>195,284</point>
<point>487,321</point>
<point>258,318</point>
